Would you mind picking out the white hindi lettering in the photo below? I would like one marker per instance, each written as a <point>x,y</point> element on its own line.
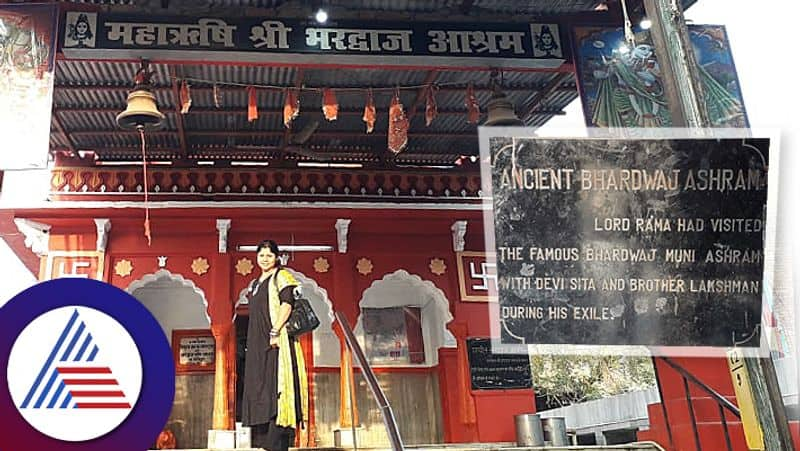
<point>475,41</point>
<point>360,40</point>
<point>271,33</point>
<point>204,33</point>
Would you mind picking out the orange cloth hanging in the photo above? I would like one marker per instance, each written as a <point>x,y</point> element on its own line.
<point>186,97</point>
<point>431,109</point>
<point>473,110</point>
<point>330,106</point>
<point>291,107</point>
<point>252,104</point>
<point>398,125</point>
<point>369,112</point>
<point>215,93</point>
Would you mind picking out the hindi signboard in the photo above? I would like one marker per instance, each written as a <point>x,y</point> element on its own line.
<point>653,242</point>
<point>491,371</point>
<point>194,350</point>
<point>259,39</point>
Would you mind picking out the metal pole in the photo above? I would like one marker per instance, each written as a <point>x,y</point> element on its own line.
<point>769,404</point>
<point>676,57</point>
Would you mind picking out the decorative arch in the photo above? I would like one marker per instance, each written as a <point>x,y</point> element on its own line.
<point>325,341</point>
<point>179,281</point>
<point>392,291</point>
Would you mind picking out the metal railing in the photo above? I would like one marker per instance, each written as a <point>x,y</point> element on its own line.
<point>389,421</point>
<point>722,404</point>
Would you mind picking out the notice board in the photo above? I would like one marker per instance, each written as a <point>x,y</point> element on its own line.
<point>654,242</point>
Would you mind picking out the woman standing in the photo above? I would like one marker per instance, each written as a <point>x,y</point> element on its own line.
<point>275,397</point>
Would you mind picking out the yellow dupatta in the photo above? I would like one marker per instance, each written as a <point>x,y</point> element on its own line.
<point>286,393</point>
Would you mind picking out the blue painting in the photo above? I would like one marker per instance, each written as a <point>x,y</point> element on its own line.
<point>621,85</point>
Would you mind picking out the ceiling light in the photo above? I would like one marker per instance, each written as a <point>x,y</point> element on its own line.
<point>321,16</point>
<point>645,24</point>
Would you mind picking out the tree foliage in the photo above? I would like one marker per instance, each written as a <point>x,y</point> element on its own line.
<point>570,379</point>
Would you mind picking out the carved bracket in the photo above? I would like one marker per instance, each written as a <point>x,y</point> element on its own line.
<point>103,226</point>
<point>37,235</point>
<point>223,226</point>
<point>459,229</point>
<point>342,229</point>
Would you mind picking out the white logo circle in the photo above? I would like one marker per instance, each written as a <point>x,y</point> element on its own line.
<point>74,373</point>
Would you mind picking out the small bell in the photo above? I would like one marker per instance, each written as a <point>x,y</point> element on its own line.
<point>500,110</point>
<point>141,111</point>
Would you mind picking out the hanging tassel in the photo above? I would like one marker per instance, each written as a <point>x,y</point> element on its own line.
<point>431,109</point>
<point>216,95</point>
<point>369,112</point>
<point>186,97</point>
<point>398,125</point>
<point>144,183</point>
<point>291,107</point>
<point>330,106</point>
<point>252,104</point>
<point>473,110</point>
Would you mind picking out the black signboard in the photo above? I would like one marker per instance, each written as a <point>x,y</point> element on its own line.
<point>655,242</point>
<point>490,371</point>
<point>269,39</point>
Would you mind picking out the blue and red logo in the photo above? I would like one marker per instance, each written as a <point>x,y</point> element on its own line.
<point>88,367</point>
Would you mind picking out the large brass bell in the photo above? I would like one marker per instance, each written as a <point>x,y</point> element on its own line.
<point>500,110</point>
<point>141,111</point>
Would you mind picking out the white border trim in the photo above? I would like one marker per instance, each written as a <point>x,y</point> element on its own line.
<point>52,205</point>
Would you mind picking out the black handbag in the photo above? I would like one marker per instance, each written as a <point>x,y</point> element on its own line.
<point>303,319</point>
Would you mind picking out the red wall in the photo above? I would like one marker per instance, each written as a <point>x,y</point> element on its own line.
<point>392,240</point>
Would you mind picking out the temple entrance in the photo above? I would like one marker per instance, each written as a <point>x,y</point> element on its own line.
<point>179,305</point>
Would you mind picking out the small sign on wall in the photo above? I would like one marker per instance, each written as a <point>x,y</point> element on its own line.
<point>194,351</point>
<point>477,276</point>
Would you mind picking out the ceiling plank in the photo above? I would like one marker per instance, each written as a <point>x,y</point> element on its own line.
<point>67,137</point>
<point>243,111</point>
<point>178,116</point>
<point>321,134</point>
<point>541,95</point>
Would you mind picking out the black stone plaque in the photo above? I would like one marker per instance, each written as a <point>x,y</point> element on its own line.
<point>655,242</point>
<point>490,371</point>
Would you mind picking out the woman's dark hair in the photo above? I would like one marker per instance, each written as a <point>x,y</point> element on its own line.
<point>273,247</point>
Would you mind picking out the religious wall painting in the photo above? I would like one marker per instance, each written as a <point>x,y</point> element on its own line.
<point>623,87</point>
<point>27,61</point>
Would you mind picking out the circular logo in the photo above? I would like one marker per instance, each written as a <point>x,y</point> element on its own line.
<point>87,368</point>
<point>76,360</point>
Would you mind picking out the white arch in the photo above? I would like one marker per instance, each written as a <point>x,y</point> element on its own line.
<point>326,343</point>
<point>392,291</point>
<point>179,280</point>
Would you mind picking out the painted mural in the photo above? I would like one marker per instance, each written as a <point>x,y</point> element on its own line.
<point>622,86</point>
<point>27,59</point>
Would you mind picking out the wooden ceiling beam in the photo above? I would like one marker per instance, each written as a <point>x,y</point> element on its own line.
<point>203,89</point>
<point>274,133</point>
<point>243,111</point>
<point>178,116</point>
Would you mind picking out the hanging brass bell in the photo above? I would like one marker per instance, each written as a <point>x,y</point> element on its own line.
<point>500,111</point>
<point>141,111</point>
